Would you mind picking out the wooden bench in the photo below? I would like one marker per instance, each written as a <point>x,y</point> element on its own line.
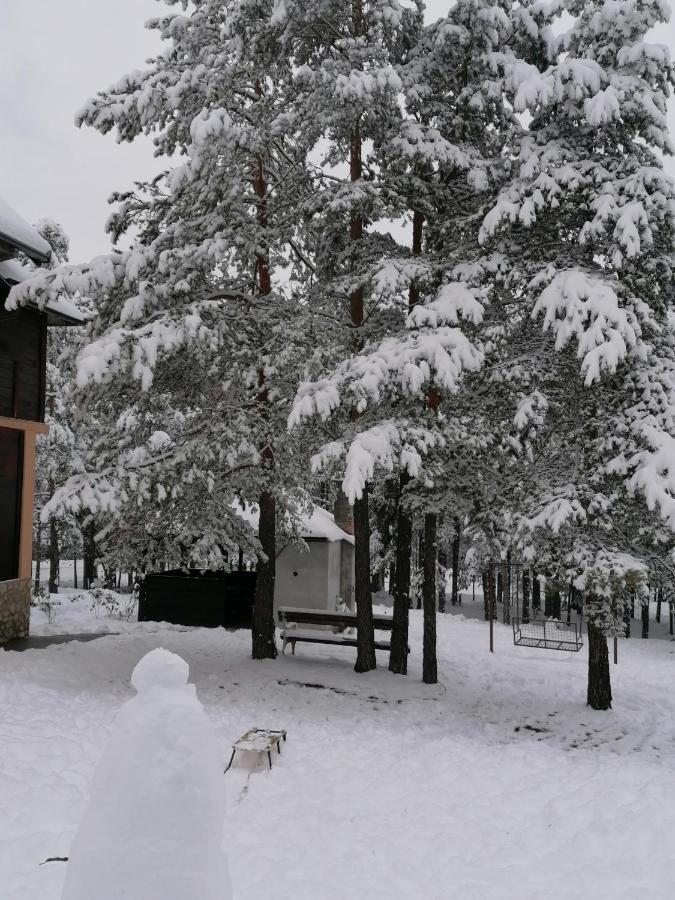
<point>290,617</point>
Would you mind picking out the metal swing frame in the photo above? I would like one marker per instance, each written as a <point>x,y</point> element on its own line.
<point>547,634</point>
<point>538,631</point>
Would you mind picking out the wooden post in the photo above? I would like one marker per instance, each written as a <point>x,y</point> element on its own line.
<point>616,650</point>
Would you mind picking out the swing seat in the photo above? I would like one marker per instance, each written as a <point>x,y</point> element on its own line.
<point>548,634</point>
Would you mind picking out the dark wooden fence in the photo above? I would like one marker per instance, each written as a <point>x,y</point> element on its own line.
<point>194,597</point>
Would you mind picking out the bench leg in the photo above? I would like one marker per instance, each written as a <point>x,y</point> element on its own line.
<point>269,757</point>
<point>283,648</point>
<point>279,747</point>
<point>293,648</point>
<point>230,762</point>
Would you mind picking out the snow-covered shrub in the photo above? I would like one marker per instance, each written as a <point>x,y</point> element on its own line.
<point>126,605</point>
<point>103,600</point>
<point>45,602</point>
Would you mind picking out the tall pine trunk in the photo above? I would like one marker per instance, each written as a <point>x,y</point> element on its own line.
<point>599,695</point>
<point>365,636</point>
<point>455,565</point>
<point>89,555</point>
<point>506,598</point>
<point>365,633</point>
<point>429,663</point>
<point>398,654</point>
<point>38,554</point>
<point>526,595</point>
<point>263,644</point>
<point>54,556</point>
<point>491,592</point>
<point>536,593</point>
<point>659,601</point>
<point>644,616</point>
<point>486,598</point>
<point>442,565</point>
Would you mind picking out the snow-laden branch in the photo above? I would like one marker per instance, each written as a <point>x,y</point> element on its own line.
<point>586,307</point>
<point>389,445</point>
<point>430,352</point>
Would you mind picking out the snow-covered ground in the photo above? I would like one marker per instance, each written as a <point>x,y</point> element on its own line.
<point>496,783</point>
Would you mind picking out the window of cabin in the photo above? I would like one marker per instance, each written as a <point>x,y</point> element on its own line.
<point>11,467</point>
<point>22,364</point>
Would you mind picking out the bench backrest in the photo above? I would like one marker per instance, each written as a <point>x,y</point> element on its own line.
<point>296,616</point>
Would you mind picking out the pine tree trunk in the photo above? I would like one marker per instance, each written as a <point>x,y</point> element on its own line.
<point>429,664</point>
<point>398,654</point>
<point>645,619</point>
<point>75,572</point>
<point>89,556</point>
<point>659,601</point>
<point>54,559</point>
<point>365,633</point>
<point>492,595</point>
<point>38,555</point>
<point>536,594</point>
<point>626,620</point>
<point>552,601</point>
<point>526,595</point>
<point>486,598</point>
<point>671,616</point>
<point>263,644</point>
<point>455,565</point>
<point>599,695</point>
<point>442,565</point>
<point>365,653</point>
<point>506,600</point>
<point>263,637</point>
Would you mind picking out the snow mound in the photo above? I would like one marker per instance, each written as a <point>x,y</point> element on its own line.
<point>160,668</point>
<point>153,829</point>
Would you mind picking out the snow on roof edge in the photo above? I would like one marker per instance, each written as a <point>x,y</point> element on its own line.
<point>20,235</point>
<point>61,309</point>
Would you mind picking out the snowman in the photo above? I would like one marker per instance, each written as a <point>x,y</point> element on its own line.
<point>153,829</point>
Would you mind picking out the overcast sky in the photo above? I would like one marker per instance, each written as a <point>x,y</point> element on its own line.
<point>56,54</point>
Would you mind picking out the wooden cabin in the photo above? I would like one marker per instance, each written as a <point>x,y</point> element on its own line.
<point>23,359</point>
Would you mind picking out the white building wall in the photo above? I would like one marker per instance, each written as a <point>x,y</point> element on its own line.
<point>302,578</point>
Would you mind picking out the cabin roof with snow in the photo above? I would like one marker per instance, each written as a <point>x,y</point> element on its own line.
<point>319,525</point>
<point>17,235</point>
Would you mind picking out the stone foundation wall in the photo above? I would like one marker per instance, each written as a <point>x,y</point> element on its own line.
<point>14,609</point>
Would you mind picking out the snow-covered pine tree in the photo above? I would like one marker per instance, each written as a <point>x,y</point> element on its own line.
<point>193,348</point>
<point>586,231</point>
<point>349,88</point>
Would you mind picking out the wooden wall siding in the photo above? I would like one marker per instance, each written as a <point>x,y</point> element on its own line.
<point>23,344</point>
